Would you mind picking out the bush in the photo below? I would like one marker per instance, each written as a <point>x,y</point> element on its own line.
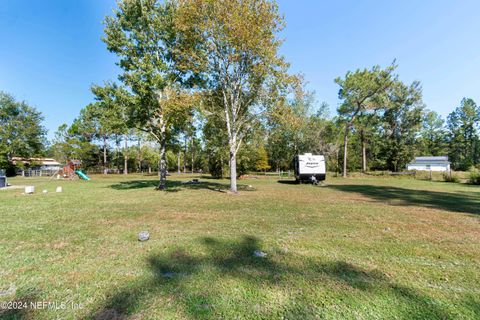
<point>216,167</point>
<point>474,176</point>
<point>449,177</point>
<point>10,170</point>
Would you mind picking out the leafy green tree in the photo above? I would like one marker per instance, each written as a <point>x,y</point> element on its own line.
<point>262,160</point>
<point>289,125</point>
<point>401,124</point>
<point>60,149</point>
<point>333,135</point>
<point>433,136</point>
<point>370,133</point>
<point>107,115</point>
<point>361,91</point>
<point>216,146</point>
<point>142,35</point>
<point>234,46</point>
<point>150,157</point>
<point>365,125</point>
<point>21,130</point>
<point>319,137</point>
<point>75,142</point>
<point>299,125</point>
<point>463,125</point>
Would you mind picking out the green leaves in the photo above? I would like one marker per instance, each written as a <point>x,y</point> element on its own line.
<point>233,45</point>
<point>464,140</point>
<point>142,34</point>
<point>364,90</point>
<point>21,131</point>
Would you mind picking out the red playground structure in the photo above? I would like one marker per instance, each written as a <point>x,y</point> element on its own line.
<point>71,170</point>
<point>68,172</point>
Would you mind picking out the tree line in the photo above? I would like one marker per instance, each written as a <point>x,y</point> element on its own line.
<point>203,87</point>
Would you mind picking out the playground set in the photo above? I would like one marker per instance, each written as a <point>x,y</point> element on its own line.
<point>72,171</point>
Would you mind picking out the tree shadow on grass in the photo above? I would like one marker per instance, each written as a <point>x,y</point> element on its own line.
<point>465,202</point>
<point>189,284</point>
<point>288,181</point>
<point>175,185</point>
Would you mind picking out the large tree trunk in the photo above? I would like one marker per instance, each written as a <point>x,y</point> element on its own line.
<point>233,172</point>
<point>221,166</point>
<point>139,155</point>
<point>232,123</point>
<point>193,154</point>
<point>162,170</point>
<point>105,170</point>
<point>125,156</point>
<point>163,165</point>
<point>117,142</point>
<point>185,157</point>
<point>364,151</point>
<point>345,151</point>
<point>178,160</point>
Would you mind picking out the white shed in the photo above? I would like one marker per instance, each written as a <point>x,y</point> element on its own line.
<point>430,164</point>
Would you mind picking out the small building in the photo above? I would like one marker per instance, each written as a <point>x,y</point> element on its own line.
<point>45,164</point>
<point>440,164</point>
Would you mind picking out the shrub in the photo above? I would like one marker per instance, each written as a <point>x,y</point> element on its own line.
<point>216,166</point>
<point>450,177</point>
<point>474,176</point>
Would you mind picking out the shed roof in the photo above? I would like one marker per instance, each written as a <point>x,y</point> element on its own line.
<point>42,161</point>
<point>440,158</point>
<point>427,160</point>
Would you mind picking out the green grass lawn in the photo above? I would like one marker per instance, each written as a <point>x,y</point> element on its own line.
<point>359,248</point>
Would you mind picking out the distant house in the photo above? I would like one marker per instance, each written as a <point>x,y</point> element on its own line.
<point>430,164</point>
<point>38,163</point>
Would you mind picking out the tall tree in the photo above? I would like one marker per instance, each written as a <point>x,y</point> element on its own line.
<point>288,123</point>
<point>262,159</point>
<point>106,115</point>
<point>366,123</point>
<point>432,140</point>
<point>21,130</point>
<point>402,122</point>
<point>75,142</point>
<point>297,125</point>
<point>216,146</point>
<point>141,33</point>
<point>235,46</point>
<point>463,125</point>
<point>360,91</point>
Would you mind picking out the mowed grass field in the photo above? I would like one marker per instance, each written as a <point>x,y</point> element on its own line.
<point>358,248</point>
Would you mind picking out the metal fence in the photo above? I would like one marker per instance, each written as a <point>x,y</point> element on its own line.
<point>36,173</point>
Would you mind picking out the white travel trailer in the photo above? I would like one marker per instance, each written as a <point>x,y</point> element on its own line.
<point>309,167</point>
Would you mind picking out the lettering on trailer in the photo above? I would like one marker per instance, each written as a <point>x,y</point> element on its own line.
<point>311,163</point>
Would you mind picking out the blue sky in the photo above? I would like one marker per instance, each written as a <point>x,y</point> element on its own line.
<point>51,52</point>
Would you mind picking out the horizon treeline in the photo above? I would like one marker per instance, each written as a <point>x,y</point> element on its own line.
<point>390,139</point>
